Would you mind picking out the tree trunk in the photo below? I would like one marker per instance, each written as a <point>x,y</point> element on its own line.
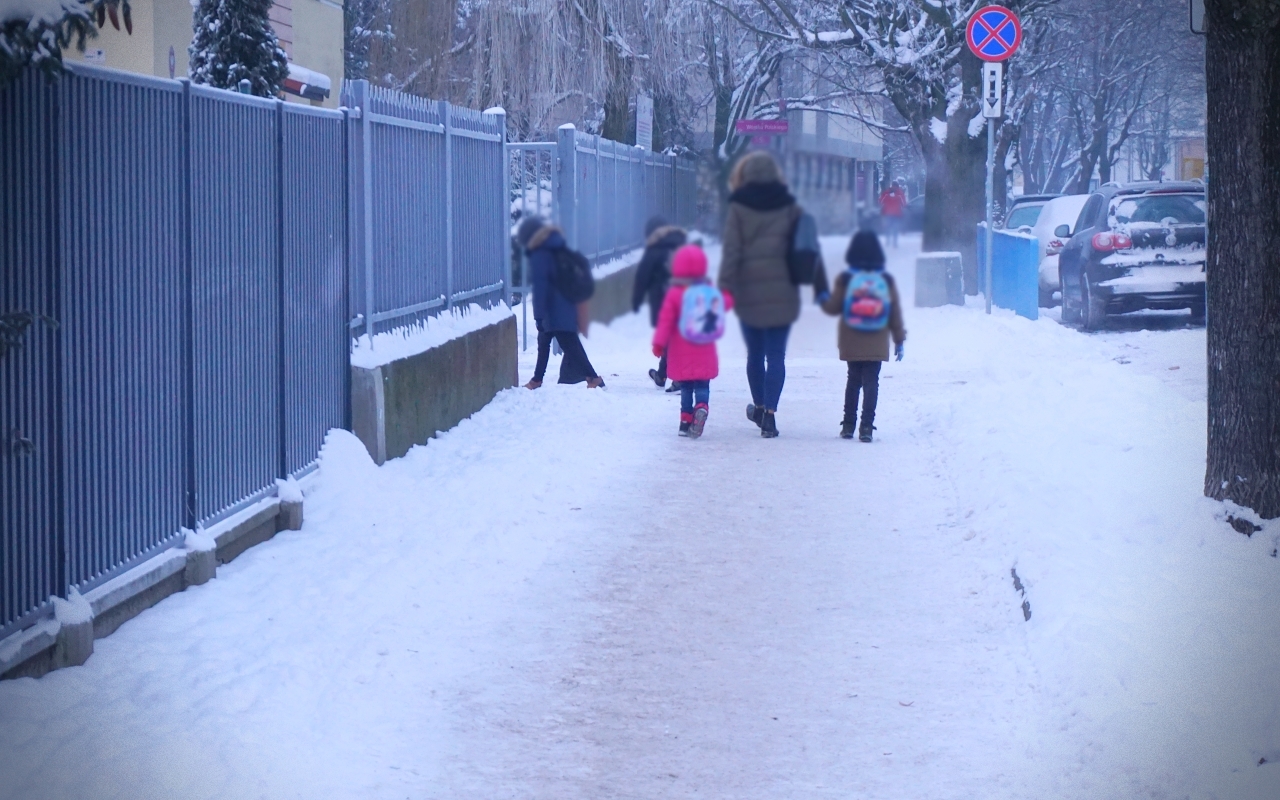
<point>955,178</point>
<point>618,122</point>
<point>1242,57</point>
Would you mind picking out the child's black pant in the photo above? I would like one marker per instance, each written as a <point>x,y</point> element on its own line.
<point>864,376</point>
<point>575,367</point>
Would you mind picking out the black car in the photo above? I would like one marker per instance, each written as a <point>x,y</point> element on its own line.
<point>1135,246</point>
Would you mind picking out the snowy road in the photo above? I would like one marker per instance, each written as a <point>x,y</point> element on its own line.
<point>562,599</point>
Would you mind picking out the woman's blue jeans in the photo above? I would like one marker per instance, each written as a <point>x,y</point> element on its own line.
<point>766,363</point>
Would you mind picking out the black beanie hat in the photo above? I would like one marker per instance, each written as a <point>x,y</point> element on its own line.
<point>528,227</point>
<point>864,251</point>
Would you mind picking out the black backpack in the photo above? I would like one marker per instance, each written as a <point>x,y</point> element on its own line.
<point>803,250</point>
<point>573,275</point>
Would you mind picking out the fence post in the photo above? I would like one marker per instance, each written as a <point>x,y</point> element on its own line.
<point>346,262</point>
<point>283,417</point>
<point>360,93</point>
<point>188,318</point>
<point>566,183</point>
<point>504,212</point>
<point>448,203</point>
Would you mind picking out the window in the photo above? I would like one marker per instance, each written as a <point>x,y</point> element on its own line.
<point>1159,209</point>
<point>1088,214</point>
<point>1022,215</point>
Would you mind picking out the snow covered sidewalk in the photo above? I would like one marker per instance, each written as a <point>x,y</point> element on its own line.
<point>562,599</point>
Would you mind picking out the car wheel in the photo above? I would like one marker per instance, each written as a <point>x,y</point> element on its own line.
<point>1093,309</point>
<point>1070,304</point>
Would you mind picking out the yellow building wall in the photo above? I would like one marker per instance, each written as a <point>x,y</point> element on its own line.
<point>318,44</point>
<point>121,50</point>
<point>172,29</point>
<point>161,24</point>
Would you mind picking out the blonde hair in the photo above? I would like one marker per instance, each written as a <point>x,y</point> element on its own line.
<point>759,162</point>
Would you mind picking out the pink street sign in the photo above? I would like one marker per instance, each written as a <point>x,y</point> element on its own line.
<point>749,127</point>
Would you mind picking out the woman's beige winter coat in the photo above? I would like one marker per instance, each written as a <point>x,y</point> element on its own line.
<point>753,267</point>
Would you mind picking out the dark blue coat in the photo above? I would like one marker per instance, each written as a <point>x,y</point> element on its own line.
<point>551,309</point>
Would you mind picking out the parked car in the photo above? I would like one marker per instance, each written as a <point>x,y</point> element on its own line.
<point>1063,210</point>
<point>1136,246</point>
<point>1024,211</point>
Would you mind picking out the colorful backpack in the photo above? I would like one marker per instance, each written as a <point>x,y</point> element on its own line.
<point>702,314</point>
<point>866,301</point>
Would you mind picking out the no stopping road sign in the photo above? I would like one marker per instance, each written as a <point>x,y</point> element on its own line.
<point>994,33</point>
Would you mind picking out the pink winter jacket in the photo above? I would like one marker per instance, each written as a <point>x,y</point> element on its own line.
<point>686,361</point>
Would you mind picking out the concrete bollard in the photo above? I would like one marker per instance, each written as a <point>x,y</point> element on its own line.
<point>202,559</point>
<point>74,644</point>
<point>290,515</point>
<point>938,280</point>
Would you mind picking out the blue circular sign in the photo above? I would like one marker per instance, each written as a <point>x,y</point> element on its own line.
<point>994,33</point>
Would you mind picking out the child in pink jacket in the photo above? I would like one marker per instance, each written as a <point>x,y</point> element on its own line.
<point>687,335</point>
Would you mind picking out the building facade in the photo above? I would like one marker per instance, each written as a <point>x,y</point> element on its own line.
<point>310,31</point>
<point>832,162</point>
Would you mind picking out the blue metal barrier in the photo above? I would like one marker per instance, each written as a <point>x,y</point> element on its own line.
<point>1015,271</point>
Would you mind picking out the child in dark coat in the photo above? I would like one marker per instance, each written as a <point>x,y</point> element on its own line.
<point>693,364</point>
<point>556,317</point>
<point>654,273</point>
<point>866,346</point>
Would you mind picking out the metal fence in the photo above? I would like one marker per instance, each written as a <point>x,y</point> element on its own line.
<point>191,245</point>
<point>606,191</point>
<point>599,191</point>
<point>428,199</point>
<point>207,257</point>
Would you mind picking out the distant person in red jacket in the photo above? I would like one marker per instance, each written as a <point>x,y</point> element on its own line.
<point>893,206</point>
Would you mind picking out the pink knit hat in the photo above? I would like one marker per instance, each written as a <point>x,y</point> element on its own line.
<point>689,262</point>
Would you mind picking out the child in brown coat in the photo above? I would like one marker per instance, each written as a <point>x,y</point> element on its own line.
<point>865,297</point>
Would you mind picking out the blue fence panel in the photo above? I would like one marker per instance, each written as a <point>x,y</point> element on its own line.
<point>235,179</point>
<point>30,566</point>
<point>315,359</point>
<point>1015,271</point>
<point>121,213</point>
<point>479,252</point>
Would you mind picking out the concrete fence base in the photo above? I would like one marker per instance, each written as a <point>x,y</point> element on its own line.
<point>58,642</point>
<point>406,402</point>
<point>612,298</point>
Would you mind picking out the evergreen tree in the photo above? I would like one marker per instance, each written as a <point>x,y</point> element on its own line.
<point>234,41</point>
<point>35,32</point>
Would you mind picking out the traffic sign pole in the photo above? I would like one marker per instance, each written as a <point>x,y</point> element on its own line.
<point>993,34</point>
<point>991,197</point>
<point>992,106</point>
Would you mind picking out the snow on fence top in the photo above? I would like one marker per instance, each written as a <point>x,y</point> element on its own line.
<point>411,340</point>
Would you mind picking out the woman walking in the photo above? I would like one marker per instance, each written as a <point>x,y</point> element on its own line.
<point>753,269</point>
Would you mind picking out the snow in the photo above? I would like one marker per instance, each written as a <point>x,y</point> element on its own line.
<point>560,598</point>
<point>199,541</point>
<point>1141,280</point>
<point>938,127</point>
<point>289,491</point>
<point>75,610</point>
<point>618,264</point>
<point>977,125</point>
<point>1188,255</point>
<point>411,340</point>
